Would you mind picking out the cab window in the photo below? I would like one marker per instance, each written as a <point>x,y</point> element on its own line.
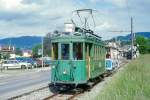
<point>77,51</point>
<point>55,51</point>
<point>65,51</point>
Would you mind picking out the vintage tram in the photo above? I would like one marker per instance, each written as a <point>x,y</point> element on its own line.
<point>77,57</point>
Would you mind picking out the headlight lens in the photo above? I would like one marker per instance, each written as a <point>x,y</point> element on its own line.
<point>64,72</point>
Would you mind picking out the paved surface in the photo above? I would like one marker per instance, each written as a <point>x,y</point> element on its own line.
<point>11,84</point>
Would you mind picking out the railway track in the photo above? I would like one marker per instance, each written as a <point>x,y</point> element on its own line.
<point>69,95</point>
<point>64,96</point>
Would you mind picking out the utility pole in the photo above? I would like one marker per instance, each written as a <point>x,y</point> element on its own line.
<point>42,53</point>
<point>132,38</point>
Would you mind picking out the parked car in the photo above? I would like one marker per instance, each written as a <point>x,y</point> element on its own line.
<point>27,60</point>
<point>48,62</point>
<point>39,63</point>
<point>13,64</point>
<point>25,65</point>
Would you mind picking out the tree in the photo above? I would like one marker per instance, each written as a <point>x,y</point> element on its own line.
<point>0,56</point>
<point>143,44</point>
<point>47,46</point>
<point>35,50</point>
<point>6,55</point>
<point>18,51</point>
<point>148,46</point>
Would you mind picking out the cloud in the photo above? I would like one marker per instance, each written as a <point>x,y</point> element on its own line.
<point>33,2</point>
<point>11,4</point>
<point>31,16</point>
<point>119,3</point>
<point>38,17</point>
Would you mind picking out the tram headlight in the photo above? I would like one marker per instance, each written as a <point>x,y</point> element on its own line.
<point>64,72</point>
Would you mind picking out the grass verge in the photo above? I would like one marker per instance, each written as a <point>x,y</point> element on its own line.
<point>132,83</point>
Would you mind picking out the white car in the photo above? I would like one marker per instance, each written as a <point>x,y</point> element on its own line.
<point>11,64</point>
<point>25,65</point>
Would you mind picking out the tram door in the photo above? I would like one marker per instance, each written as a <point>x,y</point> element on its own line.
<point>65,67</point>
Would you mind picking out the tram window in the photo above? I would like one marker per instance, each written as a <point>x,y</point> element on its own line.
<point>88,46</point>
<point>55,50</point>
<point>77,51</point>
<point>98,52</point>
<point>65,51</point>
<point>94,52</point>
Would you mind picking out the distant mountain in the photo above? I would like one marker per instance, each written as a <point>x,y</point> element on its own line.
<point>30,41</point>
<point>21,42</point>
<point>128,37</point>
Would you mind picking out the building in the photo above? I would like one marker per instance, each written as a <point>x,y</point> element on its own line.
<point>26,53</point>
<point>6,50</point>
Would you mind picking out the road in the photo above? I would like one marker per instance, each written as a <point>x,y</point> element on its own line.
<point>10,85</point>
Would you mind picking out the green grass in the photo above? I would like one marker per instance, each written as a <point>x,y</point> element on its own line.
<point>132,83</point>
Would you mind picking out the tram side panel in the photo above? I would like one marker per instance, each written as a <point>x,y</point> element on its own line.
<point>97,61</point>
<point>78,71</point>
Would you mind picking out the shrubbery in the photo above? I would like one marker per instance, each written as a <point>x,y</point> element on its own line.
<point>144,44</point>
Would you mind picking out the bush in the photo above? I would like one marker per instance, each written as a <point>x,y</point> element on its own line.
<point>144,44</point>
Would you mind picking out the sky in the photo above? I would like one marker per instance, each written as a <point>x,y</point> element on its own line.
<point>38,17</point>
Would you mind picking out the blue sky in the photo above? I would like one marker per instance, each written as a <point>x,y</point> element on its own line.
<point>38,17</point>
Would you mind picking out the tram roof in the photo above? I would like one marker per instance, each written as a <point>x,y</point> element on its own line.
<point>76,37</point>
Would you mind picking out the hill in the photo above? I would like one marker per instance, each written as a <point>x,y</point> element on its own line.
<point>128,37</point>
<point>30,41</point>
<point>22,42</point>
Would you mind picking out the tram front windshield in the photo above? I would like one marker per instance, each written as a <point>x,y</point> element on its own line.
<point>65,51</point>
<point>77,51</point>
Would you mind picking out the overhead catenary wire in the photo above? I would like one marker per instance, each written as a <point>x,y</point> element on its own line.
<point>81,4</point>
<point>93,19</point>
<point>79,17</point>
<point>127,8</point>
<point>85,17</point>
